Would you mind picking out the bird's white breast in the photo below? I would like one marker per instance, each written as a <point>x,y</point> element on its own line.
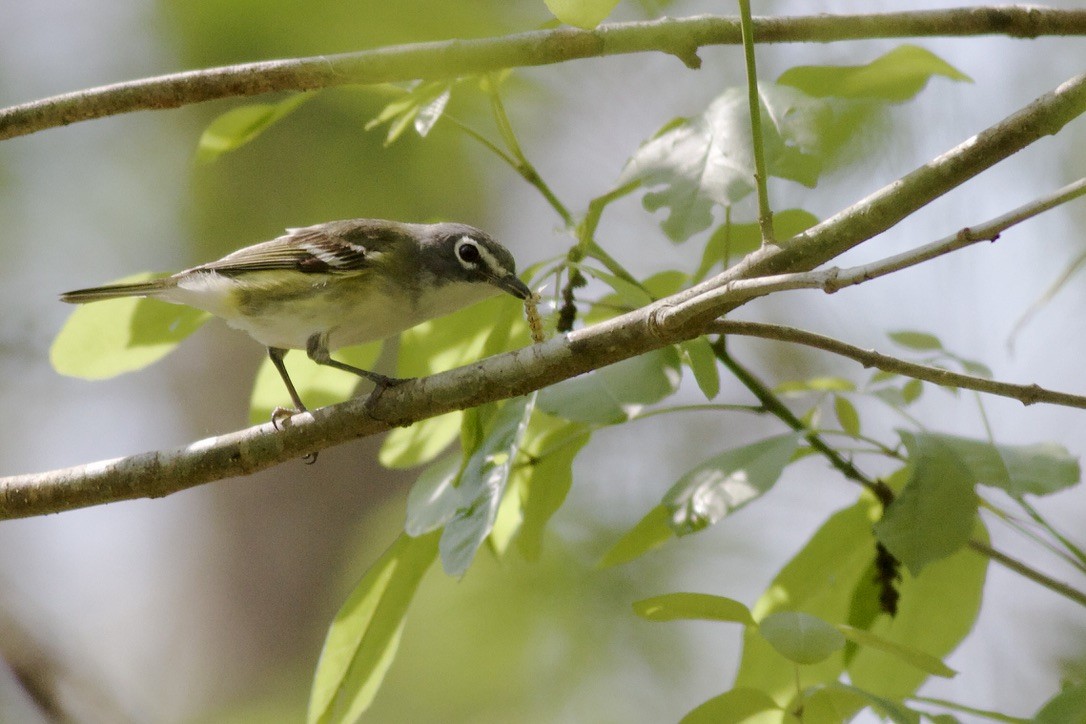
<point>282,313</point>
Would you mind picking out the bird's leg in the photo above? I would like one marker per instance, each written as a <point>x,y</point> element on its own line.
<point>276,354</point>
<point>280,414</point>
<point>317,349</point>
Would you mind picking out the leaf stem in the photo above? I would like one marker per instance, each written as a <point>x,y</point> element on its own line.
<point>765,214</point>
<point>1026,572</point>
<point>722,407</point>
<point>1073,549</point>
<point>779,410</point>
<point>880,448</point>
<point>486,142</point>
<point>586,234</point>
<point>962,708</point>
<point>523,166</point>
<point>1020,527</point>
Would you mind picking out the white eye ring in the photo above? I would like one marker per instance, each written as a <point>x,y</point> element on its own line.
<point>468,253</point>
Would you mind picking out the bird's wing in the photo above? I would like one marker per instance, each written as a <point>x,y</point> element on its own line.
<point>335,247</point>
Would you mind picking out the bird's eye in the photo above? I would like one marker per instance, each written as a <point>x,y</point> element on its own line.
<point>468,252</point>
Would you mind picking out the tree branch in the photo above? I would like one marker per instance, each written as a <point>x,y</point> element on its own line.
<point>884,208</point>
<point>681,37</point>
<point>1026,394</point>
<point>156,474</point>
<point>834,279</point>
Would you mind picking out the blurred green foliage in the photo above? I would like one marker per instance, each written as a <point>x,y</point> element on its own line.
<point>320,163</point>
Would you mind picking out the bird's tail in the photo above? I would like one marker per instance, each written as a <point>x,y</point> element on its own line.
<point>116,291</point>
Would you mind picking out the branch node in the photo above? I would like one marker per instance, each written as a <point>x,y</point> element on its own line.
<point>831,282</point>
<point>1032,394</point>
<point>658,324</point>
<point>688,54</point>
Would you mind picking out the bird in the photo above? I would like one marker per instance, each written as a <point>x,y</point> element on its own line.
<point>336,284</point>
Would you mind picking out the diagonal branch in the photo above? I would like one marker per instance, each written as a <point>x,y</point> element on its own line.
<point>834,279</point>
<point>156,474</point>
<point>681,37</point>
<point>1026,394</point>
<point>884,208</point>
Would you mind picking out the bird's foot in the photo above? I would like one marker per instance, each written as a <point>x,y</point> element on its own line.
<point>380,384</point>
<point>280,418</point>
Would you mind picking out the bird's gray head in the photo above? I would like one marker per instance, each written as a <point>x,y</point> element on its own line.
<point>454,252</point>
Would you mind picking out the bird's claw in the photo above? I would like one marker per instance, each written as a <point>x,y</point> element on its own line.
<point>280,419</point>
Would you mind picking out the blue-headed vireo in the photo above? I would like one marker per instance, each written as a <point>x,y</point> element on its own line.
<point>336,284</point>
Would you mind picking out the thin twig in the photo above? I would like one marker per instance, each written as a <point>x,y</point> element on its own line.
<point>834,279</point>
<point>1022,528</point>
<point>1026,394</point>
<point>1077,557</point>
<point>680,37</point>
<point>886,207</point>
<point>523,166</point>
<point>778,409</point>
<point>1025,571</point>
<point>754,100</point>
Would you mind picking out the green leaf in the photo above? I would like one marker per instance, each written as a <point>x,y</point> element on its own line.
<point>978,369</point>
<point>406,447</point>
<point>801,637</point>
<point>865,606</point>
<point>420,107</point>
<point>458,338</point>
<point>318,385</point>
<point>693,606</point>
<point>651,532</point>
<point>895,711</point>
<point>735,240</point>
<point>699,355</point>
<point>585,14</point>
<point>434,498</point>
<point>909,654</point>
<point>831,706</point>
<point>1067,706</point>
<point>881,376</point>
<point>238,126</point>
<point>819,580</point>
<point>708,161</point>
<point>911,391</point>
<point>481,485</point>
<point>627,293</point>
<point>847,416</point>
<point>631,295</point>
<point>543,483</point>
<point>921,341</point>
<point>365,634</point>
<point>665,283</point>
<point>936,611</point>
<point>734,707</point>
<point>726,482</point>
<point>933,515</point>
<point>1038,469</point>
<point>108,338</point>
<point>617,392</point>
<point>895,77</point>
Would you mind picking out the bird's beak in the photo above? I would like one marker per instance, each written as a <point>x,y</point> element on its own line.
<point>511,284</point>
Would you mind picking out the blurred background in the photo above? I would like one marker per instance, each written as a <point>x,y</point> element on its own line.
<point>211,605</point>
